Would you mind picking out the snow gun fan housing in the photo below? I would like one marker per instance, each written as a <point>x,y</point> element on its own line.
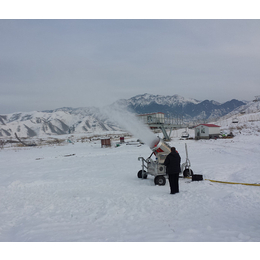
<point>159,146</point>
<point>160,150</point>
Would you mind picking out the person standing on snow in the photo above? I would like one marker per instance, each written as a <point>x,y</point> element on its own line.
<point>173,168</point>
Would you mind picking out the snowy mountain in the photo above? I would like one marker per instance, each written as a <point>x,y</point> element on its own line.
<point>147,99</point>
<point>248,108</point>
<point>246,117</point>
<point>187,108</point>
<point>142,101</point>
<point>55,122</point>
<point>91,120</point>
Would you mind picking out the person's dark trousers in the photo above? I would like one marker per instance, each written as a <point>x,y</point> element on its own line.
<point>174,183</point>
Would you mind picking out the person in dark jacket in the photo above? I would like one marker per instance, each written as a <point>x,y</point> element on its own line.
<point>173,168</point>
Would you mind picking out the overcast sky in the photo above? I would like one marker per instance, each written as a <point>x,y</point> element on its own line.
<point>48,64</point>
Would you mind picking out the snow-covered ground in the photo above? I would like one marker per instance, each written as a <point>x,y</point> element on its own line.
<point>82,192</point>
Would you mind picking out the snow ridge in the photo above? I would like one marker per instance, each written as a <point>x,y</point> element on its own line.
<point>67,120</point>
<point>188,109</point>
<point>147,99</point>
<point>56,122</point>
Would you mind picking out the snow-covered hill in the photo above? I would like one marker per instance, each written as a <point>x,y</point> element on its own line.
<point>147,99</point>
<point>188,109</point>
<point>95,120</point>
<point>82,192</point>
<point>94,195</point>
<point>56,122</point>
<point>243,120</point>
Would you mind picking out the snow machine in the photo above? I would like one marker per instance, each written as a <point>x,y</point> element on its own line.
<point>156,167</point>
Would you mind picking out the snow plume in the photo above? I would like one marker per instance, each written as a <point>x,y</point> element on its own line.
<point>130,122</point>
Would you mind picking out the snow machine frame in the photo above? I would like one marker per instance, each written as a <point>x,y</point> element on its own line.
<point>157,168</point>
<point>185,167</point>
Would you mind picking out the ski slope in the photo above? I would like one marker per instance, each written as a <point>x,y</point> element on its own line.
<point>84,193</point>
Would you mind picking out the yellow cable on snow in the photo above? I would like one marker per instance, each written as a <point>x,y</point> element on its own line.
<point>226,182</point>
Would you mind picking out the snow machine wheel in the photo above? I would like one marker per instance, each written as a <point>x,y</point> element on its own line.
<point>187,173</point>
<point>139,175</point>
<point>159,180</point>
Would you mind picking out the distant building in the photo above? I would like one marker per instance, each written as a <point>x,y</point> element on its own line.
<point>105,142</point>
<point>152,118</point>
<point>206,131</point>
<point>159,121</point>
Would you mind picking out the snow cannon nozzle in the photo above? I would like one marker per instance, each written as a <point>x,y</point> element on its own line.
<point>159,146</point>
<point>154,142</point>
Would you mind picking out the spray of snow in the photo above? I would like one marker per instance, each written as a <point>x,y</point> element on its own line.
<point>130,122</point>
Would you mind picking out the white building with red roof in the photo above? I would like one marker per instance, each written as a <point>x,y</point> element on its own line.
<point>207,131</point>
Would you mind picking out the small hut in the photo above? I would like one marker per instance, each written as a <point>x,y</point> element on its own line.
<point>105,142</point>
<point>207,131</point>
